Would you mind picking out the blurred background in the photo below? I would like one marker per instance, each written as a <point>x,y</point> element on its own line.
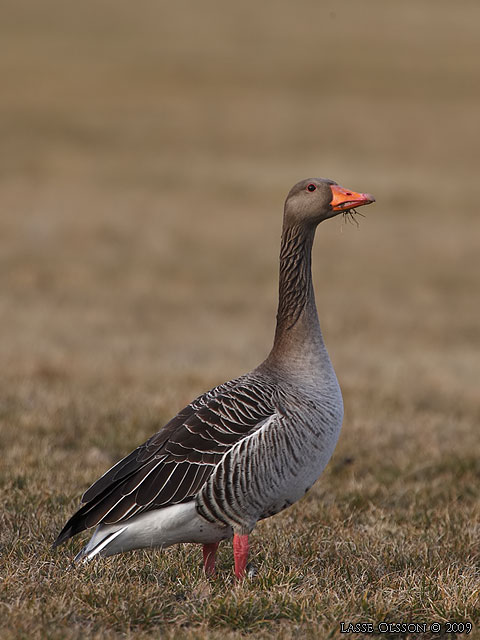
<point>146,151</point>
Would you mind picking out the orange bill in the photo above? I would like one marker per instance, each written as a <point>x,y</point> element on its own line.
<point>343,199</point>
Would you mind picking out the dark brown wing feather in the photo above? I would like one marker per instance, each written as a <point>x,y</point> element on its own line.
<point>173,464</point>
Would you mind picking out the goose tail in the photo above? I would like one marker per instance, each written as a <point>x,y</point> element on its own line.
<point>102,541</point>
<point>157,528</point>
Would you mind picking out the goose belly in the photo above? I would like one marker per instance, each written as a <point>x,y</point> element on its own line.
<point>296,481</point>
<point>269,471</point>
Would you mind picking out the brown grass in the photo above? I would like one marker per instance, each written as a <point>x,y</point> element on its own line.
<point>146,152</point>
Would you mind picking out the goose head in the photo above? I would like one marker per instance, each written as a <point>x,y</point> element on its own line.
<point>315,199</point>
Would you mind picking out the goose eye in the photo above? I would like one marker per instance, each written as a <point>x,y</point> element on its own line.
<point>311,187</point>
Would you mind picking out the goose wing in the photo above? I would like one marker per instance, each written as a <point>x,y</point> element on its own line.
<point>172,465</point>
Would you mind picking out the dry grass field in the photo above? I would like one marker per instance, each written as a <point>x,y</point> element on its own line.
<point>146,150</point>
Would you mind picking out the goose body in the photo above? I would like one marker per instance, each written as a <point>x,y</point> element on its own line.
<point>246,449</point>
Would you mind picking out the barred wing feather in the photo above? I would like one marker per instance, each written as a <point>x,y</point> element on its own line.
<point>172,466</point>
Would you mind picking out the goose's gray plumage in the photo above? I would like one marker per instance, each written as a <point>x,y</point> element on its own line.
<point>246,449</point>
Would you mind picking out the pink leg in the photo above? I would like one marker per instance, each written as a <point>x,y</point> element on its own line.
<point>240,554</point>
<point>209,551</point>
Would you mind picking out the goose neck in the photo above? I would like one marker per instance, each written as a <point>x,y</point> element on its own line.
<point>298,339</point>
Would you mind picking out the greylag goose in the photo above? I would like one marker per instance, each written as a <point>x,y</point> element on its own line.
<point>246,449</point>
